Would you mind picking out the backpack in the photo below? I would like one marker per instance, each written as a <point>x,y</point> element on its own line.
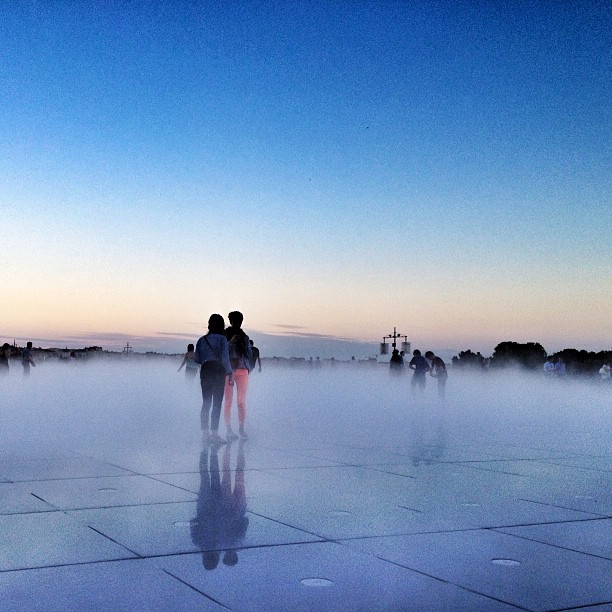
<point>237,351</point>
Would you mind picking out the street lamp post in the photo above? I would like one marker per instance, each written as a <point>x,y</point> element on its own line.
<point>384,347</point>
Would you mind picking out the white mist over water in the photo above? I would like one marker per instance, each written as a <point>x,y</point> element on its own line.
<point>146,404</point>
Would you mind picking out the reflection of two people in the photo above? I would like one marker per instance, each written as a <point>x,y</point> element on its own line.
<point>221,522</point>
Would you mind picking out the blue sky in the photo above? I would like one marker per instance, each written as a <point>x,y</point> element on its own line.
<point>338,167</point>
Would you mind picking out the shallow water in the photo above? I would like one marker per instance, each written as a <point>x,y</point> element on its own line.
<point>75,405</point>
<point>353,492</point>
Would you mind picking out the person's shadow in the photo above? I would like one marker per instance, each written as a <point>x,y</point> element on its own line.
<point>221,523</point>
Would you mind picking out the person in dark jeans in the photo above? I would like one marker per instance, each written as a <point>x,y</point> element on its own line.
<point>26,359</point>
<point>5,353</point>
<point>438,371</point>
<point>212,354</point>
<point>396,363</point>
<point>419,364</point>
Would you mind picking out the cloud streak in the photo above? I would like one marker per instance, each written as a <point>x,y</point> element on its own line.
<point>299,344</point>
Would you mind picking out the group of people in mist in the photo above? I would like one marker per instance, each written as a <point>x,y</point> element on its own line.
<point>554,367</point>
<point>420,365</point>
<point>26,358</point>
<point>224,357</point>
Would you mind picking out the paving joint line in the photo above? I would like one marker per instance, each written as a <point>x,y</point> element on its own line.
<point>114,541</point>
<point>580,552</point>
<point>590,605</point>
<point>460,586</point>
<point>195,589</point>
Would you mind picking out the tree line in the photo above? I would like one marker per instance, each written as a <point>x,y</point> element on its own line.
<point>531,356</point>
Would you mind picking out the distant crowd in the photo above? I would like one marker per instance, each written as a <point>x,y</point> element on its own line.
<point>555,367</point>
<point>26,358</point>
<point>605,372</point>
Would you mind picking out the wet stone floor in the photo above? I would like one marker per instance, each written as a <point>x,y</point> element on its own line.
<point>346,496</point>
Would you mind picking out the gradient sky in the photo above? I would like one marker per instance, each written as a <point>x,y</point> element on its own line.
<point>331,169</point>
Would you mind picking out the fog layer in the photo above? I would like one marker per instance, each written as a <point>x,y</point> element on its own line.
<point>148,405</point>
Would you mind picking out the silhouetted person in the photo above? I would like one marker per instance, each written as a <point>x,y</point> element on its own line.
<point>26,359</point>
<point>549,366</point>
<point>560,369</point>
<point>419,364</point>
<point>240,359</point>
<point>438,371</point>
<point>191,367</point>
<point>396,363</point>
<point>255,359</point>
<point>212,353</point>
<point>5,353</point>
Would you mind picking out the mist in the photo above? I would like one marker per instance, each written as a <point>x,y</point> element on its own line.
<point>147,408</point>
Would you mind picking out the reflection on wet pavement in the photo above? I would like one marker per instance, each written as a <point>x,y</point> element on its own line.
<point>348,495</point>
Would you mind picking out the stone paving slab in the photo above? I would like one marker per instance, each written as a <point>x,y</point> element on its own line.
<point>164,529</point>
<point>17,498</point>
<point>120,586</point>
<point>57,468</point>
<point>324,577</point>
<point>52,538</point>
<point>593,537</point>
<point>107,492</point>
<point>346,500</point>
<point>525,573</point>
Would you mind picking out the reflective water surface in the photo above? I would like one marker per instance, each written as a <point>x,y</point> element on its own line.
<point>352,492</point>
